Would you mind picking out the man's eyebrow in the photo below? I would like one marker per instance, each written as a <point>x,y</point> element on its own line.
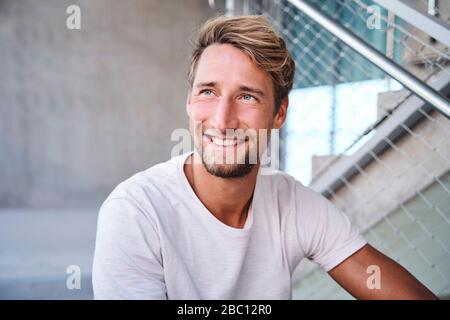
<point>206,84</point>
<point>242,87</point>
<point>253,90</point>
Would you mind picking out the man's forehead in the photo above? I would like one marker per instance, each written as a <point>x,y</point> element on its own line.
<point>223,64</point>
<point>224,52</point>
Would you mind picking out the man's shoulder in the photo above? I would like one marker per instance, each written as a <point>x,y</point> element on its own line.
<point>285,184</point>
<point>152,182</point>
<point>278,179</point>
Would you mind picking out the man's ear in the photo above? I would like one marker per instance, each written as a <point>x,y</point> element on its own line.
<point>280,117</point>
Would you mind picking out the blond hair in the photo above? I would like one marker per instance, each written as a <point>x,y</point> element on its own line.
<point>255,36</point>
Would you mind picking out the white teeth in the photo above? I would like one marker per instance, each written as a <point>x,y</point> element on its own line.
<point>226,142</point>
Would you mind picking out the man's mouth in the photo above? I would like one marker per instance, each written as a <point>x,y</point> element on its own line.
<point>224,142</point>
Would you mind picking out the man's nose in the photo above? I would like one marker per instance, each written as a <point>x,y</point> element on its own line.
<point>225,116</point>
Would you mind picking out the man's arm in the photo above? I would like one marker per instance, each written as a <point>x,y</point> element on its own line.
<point>395,281</point>
<point>127,261</point>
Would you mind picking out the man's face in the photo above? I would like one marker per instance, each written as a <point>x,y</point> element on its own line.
<point>231,111</point>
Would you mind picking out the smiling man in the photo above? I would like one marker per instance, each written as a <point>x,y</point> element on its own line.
<point>207,224</point>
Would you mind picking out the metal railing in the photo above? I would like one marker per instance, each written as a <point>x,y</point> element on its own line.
<point>391,68</point>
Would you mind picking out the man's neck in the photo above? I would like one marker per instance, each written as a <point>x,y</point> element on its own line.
<point>228,199</point>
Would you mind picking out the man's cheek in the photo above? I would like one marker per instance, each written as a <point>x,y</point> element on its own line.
<point>199,113</point>
<point>196,128</point>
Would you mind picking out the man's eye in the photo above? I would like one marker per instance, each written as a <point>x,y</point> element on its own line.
<point>205,92</point>
<point>248,97</point>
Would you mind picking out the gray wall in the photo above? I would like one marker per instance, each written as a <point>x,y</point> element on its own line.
<point>82,110</point>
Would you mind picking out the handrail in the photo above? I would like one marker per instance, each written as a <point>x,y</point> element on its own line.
<point>408,80</point>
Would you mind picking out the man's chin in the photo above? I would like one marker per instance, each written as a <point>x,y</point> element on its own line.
<point>228,170</point>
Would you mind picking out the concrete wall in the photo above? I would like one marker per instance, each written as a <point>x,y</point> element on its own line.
<point>82,110</point>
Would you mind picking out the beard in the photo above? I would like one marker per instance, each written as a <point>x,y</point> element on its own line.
<point>227,162</point>
<point>226,170</point>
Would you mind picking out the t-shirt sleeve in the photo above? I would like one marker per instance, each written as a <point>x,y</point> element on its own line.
<point>127,261</point>
<point>326,234</point>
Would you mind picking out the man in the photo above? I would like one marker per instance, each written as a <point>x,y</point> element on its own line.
<point>200,226</point>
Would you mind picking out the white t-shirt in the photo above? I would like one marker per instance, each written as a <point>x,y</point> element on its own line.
<point>156,240</point>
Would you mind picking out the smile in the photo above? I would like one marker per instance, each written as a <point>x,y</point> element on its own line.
<point>225,142</point>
